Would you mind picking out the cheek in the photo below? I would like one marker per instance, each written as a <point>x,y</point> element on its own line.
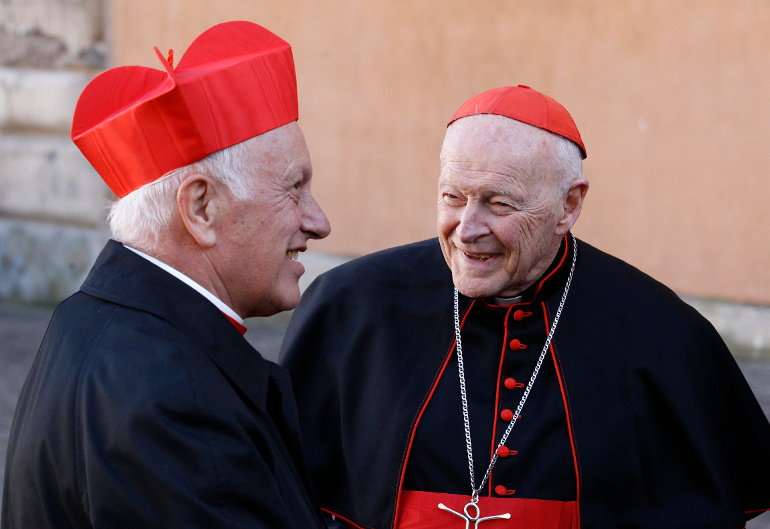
<point>284,223</point>
<point>521,233</point>
<point>509,232</point>
<point>441,228</point>
<point>446,221</point>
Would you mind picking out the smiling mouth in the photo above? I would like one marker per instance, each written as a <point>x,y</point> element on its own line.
<point>292,254</point>
<point>478,256</point>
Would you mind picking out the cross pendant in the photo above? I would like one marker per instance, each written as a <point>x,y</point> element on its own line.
<point>476,518</point>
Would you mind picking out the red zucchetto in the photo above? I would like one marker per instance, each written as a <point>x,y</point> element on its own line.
<point>526,105</point>
<point>136,124</point>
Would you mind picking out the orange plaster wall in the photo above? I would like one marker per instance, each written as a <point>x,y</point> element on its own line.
<point>671,99</point>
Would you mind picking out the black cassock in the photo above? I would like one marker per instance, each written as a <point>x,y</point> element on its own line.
<point>145,407</point>
<point>640,415</point>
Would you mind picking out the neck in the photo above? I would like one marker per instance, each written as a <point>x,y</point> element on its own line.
<point>192,263</point>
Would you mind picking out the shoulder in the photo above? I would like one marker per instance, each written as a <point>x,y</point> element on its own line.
<point>628,303</point>
<point>128,354</point>
<point>616,281</point>
<point>138,369</point>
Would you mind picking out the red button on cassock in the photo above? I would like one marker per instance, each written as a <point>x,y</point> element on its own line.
<point>506,415</point>
<point>518,315</point>
<point>500,490</point>
<point>503,451</point>
<point>516,345</point>
<point>510,383</point>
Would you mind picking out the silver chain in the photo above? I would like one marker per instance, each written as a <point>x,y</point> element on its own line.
<point>463,393</point>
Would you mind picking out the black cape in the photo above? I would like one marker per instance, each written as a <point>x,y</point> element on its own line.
<point>145,407</point>
<point>666,431</point>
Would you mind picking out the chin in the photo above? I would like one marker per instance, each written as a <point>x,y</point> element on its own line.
<point>475,288</point>
<point>288,301</point>
<point>270,306</point>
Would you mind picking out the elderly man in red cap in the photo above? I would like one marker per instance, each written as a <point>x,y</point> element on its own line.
<point>145,406</point>
<point>510,375</point>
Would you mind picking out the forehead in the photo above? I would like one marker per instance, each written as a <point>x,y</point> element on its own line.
<point>486,135</point>
<point>496,148</point>
<point>280,152</point>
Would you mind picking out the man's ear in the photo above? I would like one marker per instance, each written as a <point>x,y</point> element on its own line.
<point>196,199</point>
<point>573,205</point>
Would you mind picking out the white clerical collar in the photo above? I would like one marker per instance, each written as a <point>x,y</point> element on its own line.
<point>506,302</point>
<point>202,291</point>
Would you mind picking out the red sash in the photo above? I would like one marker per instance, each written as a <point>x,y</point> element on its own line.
<point>420,510</point>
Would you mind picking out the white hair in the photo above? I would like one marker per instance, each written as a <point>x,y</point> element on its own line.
<point>567,162</point>
<point>140,217</point>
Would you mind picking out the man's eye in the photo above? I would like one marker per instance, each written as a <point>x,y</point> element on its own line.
<point>501,207</point>
<point>452,200</point>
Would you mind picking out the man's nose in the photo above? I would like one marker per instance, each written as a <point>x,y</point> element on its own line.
<point>472,224</point>
<point>314,221</point>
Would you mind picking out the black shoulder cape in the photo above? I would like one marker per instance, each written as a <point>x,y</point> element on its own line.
<point>666,431</point>
<point>145,407</point>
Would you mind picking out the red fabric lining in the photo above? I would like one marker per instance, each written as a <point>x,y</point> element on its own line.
<point>241,328</point>
<point>420,510</point>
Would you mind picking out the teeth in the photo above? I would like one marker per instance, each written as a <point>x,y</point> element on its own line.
<point>292,255</point>
<point>479,256</point>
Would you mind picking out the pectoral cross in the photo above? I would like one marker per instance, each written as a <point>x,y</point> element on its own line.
<point>476,518</point>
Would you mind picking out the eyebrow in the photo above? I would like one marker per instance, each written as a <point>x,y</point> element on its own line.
<point>498,192</point>
<point>487,192</point>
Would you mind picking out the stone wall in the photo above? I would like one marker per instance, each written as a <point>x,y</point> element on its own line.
<point>52,33</point>
<point>52,205</point>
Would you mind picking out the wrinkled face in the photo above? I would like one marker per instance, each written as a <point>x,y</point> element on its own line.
<point>498,205</point>
<point>263,236</point>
